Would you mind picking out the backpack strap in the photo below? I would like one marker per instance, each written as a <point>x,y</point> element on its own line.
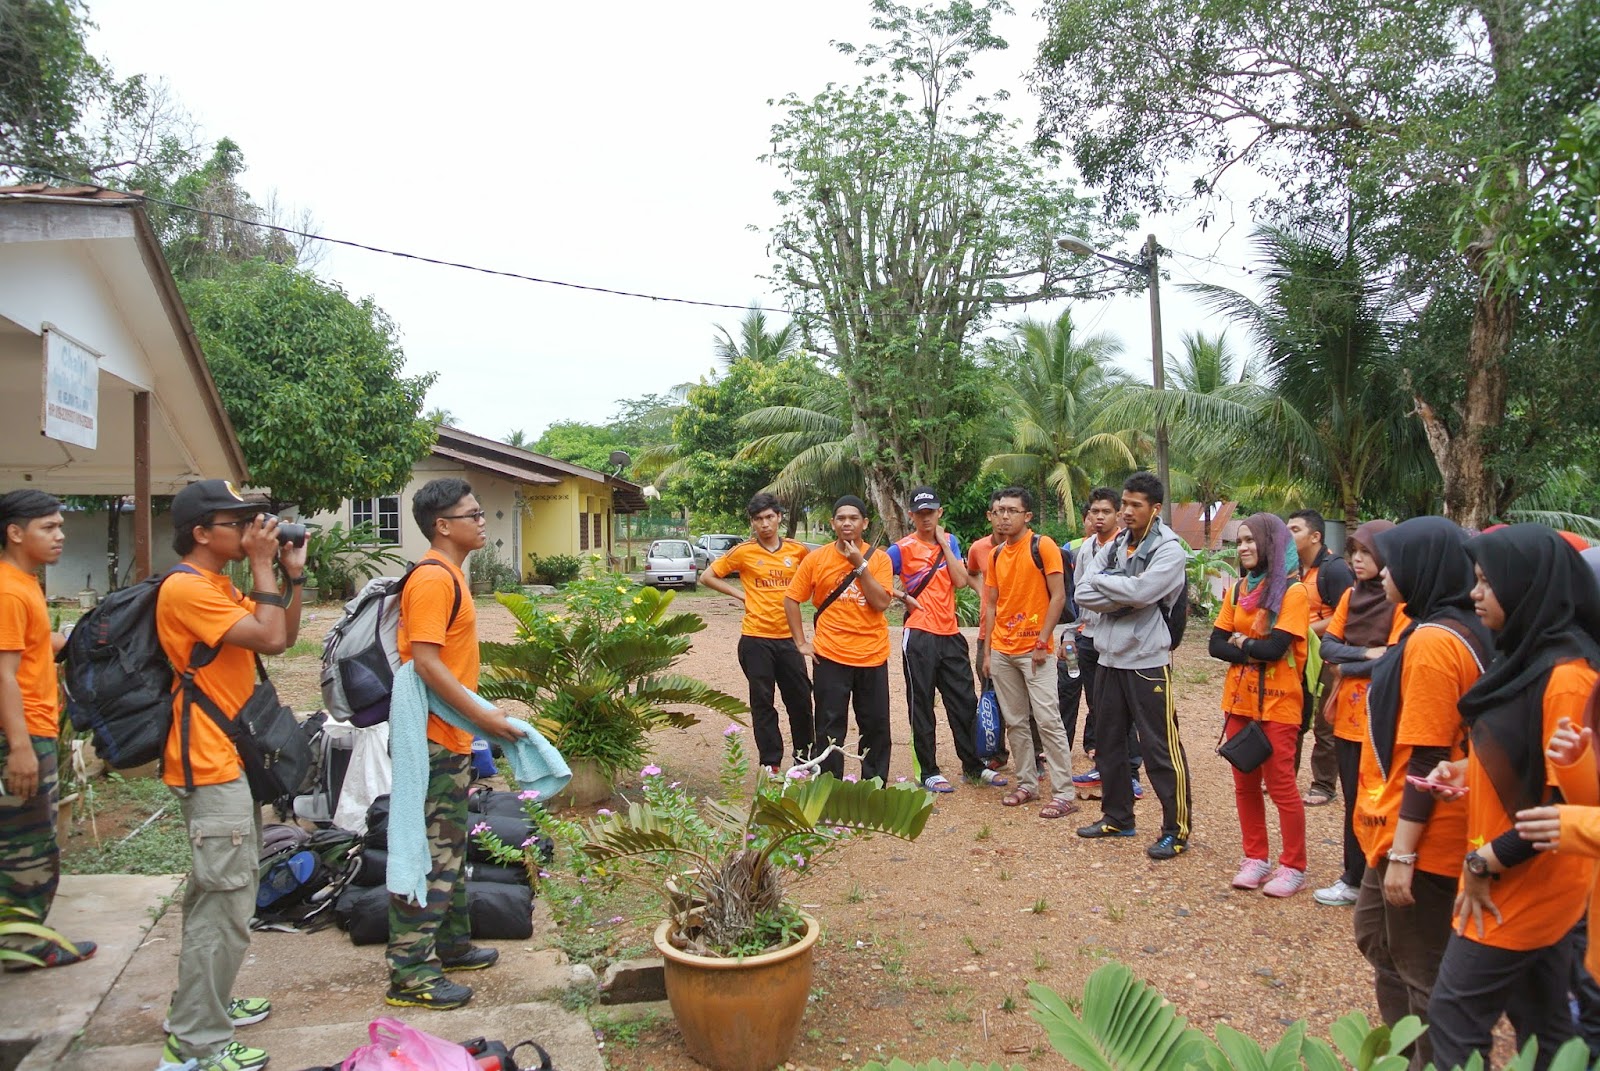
<point>455,604</point>
<point>1038,559</point>
<point>849,578</point>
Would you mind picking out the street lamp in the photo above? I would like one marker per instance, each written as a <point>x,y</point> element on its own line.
<point>1158,371</point>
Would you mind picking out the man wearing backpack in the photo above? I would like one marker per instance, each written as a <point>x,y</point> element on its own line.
<point>199,610</point>
<point>1326,577</point>
<point>1132,584</point>
<point>30,856</point>
<point>439,632</point>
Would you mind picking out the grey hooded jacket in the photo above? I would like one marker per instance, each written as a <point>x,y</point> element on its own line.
<point>1129,592</point>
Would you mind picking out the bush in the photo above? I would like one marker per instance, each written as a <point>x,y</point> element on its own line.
<point>556,569</point>
<point>500,575</point>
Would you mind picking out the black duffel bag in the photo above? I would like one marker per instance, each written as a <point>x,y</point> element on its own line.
<point>500,912</point>
<point>364,913</point>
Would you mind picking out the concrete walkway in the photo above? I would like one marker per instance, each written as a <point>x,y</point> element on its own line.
<point>106,1013</point>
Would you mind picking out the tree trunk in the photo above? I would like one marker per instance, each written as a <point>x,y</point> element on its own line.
<point>883,496</point>
<point>1205,525</point>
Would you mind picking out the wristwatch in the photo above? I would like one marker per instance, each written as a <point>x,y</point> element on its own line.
<point>1477,865</point>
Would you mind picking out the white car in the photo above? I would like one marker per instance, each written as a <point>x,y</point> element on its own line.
<point>671,563</point>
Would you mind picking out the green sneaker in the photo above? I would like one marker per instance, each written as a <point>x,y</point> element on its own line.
<point>232,1057</point>
<point>242,1011</point>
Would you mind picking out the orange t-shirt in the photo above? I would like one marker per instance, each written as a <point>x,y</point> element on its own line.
<point>978,555</point>
<point>1319,610</point>
<point>425,617</point>
<point>1543,898</point>
<point>1022,596</point>
<point>1242,688</point>
<point>200,608</point>
<point>766,575</point>
<point>1439,668</point>
<point>849,632</point>
<point>1347,709</point>
<point>25,627</point>
<point>936,604</point>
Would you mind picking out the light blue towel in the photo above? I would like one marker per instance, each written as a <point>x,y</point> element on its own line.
<point>535,763</point>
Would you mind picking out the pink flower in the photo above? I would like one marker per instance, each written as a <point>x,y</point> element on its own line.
<point>849,777</point>
<point>603,813</point>
<point>675,784</point>
<point>899,780</point>
<point>799,860</point>
<point>481,827</point>
<point>615,919</point>
<point>544,874</point>
<point>796,773</point>
<point>533,793</point>
<point>650,771</point>
<point>530,842</point>
<point>732,730</point>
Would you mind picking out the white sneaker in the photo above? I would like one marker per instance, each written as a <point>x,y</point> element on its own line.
<point>1285,882</point>
<point>1252,872</point>
<point>1336,895</point>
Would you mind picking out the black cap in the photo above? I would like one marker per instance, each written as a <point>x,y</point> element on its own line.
<point>203,497</point>
<point>924,498</point>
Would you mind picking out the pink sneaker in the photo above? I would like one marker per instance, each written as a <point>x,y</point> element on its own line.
<point>1286,882</point>
<point>1252,872</point>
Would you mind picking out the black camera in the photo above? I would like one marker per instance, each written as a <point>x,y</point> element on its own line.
<point>291,534</point>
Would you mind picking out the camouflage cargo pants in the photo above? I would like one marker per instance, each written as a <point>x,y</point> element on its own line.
<point>417,932</point>
<point>30,858</point>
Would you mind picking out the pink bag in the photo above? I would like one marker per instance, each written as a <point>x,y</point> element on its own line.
<point>399,1047</point>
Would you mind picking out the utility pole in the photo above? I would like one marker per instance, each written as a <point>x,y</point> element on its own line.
<point>1158,370</point>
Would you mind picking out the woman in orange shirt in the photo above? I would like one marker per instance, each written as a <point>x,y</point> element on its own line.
<point>1261,630</point>
<point>1509,953</point>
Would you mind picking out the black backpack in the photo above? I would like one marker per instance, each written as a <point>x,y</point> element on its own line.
<point>118,680</point>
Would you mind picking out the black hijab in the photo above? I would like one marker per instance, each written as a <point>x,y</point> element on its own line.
<point>1428,564</point>
<point>1552,608</point>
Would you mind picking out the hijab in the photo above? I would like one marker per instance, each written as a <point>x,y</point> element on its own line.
<point>1428,563</point>
<point>1370,615</point>
<point>1552,610</point>
<point>1276,562</point>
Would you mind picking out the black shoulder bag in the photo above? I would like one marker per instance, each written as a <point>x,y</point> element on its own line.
<point>275,754</point>
<point>849,578</point>
<point>1249,747</point>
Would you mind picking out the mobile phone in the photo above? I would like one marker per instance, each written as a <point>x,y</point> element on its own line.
<point>1428,785</point>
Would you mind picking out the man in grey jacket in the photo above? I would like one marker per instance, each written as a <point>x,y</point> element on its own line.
<point>1132,584</point>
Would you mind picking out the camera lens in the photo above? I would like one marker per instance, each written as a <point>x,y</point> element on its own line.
<point>291,533</point>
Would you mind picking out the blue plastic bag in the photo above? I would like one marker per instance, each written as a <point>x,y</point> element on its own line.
<point>990,729</point>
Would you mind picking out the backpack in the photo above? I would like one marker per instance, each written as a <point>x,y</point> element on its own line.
<point>300,876</point>
<point>118,680</point>
<point>362,652</point>
<point>1175,614</point>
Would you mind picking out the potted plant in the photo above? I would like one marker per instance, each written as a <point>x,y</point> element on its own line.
<point>596,675</point>
<point>490,573</point>
<point>338,558</point>
<point>737,951</point>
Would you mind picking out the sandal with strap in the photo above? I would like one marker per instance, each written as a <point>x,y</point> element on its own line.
<point>1316,798</point>
<point>1019,796</point>
<point>1058,808</point>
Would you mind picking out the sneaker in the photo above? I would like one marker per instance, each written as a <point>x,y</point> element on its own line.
<point>242,1011</point>
<point>439,994</point>
<point>772,769</point>
<point>1103,828</point>
<point>475,958</point>
<point>1285,882</point>
<point>1170,846</point>
<point>55,956</point>
<point>231,1057</point>
<point>1252,872</point>
<point>1336,895</point>
<point>1138,789</point>
<point>1091,776</point>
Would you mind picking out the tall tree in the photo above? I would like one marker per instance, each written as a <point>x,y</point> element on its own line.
<point>1433,110</point>
<point>909,215</point>
<point>1209,459</point>
<point>755,341</point>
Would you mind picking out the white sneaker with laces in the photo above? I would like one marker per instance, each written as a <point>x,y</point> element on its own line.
<point>1336,895</point>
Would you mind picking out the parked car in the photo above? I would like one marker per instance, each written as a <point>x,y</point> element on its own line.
<point>671,563</point>
<point>716,544</point>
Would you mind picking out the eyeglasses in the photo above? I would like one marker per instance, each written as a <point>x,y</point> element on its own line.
<point>1007,511</point>
<point>240,525</point>
<point>475,515</point>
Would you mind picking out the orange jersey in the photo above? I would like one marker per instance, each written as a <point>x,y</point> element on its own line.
<point>978,555</point>
<point>1320,611</point>
<point>766,575</point>
<point>1347,708</point>
<point>25,628</point>
<point>425,618</point>
<point>1438,670</point>
<point>1271,691</point>
<point>1022,595</point>
<point>936,603</point>
<point>200,608</point>
<point>849,632</point>
<point>1543,898</point>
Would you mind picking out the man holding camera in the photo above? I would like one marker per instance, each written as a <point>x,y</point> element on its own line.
<point>206,626</point>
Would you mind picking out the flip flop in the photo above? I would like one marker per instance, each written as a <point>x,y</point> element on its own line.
<point>1316,798</point>
<point>938,783</point>
<point>993,777</point>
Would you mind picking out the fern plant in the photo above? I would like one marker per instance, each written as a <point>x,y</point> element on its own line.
<point>596,674</point>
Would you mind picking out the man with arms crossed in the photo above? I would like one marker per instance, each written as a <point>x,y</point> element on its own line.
<point>766,565</point>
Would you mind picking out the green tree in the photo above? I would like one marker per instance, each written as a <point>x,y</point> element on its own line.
<point>1052,381</point>
<point>909,216</point>
<point>755,341</point>
<point>811,443</point>
<point>1434,111</point>
<point>312,382</point>
<point>519,438</point>
<point>589,445</point>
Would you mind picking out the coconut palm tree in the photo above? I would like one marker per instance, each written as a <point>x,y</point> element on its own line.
<point>1052,382</point>
<point>755,341</point>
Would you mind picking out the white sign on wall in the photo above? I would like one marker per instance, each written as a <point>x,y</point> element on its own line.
<point>71,390</point>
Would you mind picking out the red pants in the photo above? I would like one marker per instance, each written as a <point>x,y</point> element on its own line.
<point>1278,771</point>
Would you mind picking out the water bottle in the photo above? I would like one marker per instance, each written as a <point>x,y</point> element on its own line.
<point>1069,654</point>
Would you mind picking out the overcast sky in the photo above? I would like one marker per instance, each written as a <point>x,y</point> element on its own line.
<point>612,145</point>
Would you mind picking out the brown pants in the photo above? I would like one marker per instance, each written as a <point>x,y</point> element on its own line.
<point>1324,755</point>
<point>1404,946</point>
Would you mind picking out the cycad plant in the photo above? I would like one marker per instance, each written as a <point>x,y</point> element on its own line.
<point>596,671</point>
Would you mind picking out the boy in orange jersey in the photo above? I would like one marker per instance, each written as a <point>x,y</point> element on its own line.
<point>766,564</point>
<point>30,855</point>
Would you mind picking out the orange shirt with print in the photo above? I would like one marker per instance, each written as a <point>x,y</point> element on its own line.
<point>1543,898</point>
<point>849,632</point>
<point>1438,670</point>
<point>1347,707</point>
<point>1267,691</point>
<point>200,608</point>
<point>979,553</point>
<point>25,627</point>
<point>766,575</point>
<point>1320,611</point>
<point>936,603</point>
<point>425,618</point>
<point>1022,596</point>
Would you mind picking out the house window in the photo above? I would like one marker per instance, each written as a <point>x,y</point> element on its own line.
<point>382,513</point>
<point>583,531</point>
<point>598,541</point>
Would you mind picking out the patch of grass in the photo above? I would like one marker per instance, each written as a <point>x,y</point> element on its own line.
<point>303,647</point>
<point>955,1014</point>
<point>1115,912</point>
<point>1195,675</point>
<point>625,1032</point>
<point>940,988</point>
<point>813,1034</point>
<point>972,946</point>
<point>576,998</point>
<point>983,833</point>
<point>1041,962</point>
<point>856,894</point>
<point>162,847</point>
<point>1095,952</point>
<point>1004,875</point>
<point>1009,1004</point>
<point>1040,906</point>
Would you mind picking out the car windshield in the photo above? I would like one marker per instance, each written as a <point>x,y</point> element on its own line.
<point>722,542</point>
<point>673,548</point>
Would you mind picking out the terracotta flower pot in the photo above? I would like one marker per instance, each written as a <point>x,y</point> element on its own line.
<point>739,1014</point>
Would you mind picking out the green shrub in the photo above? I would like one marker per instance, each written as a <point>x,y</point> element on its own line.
<point>555,569</point>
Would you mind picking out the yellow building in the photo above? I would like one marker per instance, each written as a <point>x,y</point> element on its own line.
<point>536,505</point>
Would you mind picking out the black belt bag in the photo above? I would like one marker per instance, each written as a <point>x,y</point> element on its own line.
<point>273,749</point>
